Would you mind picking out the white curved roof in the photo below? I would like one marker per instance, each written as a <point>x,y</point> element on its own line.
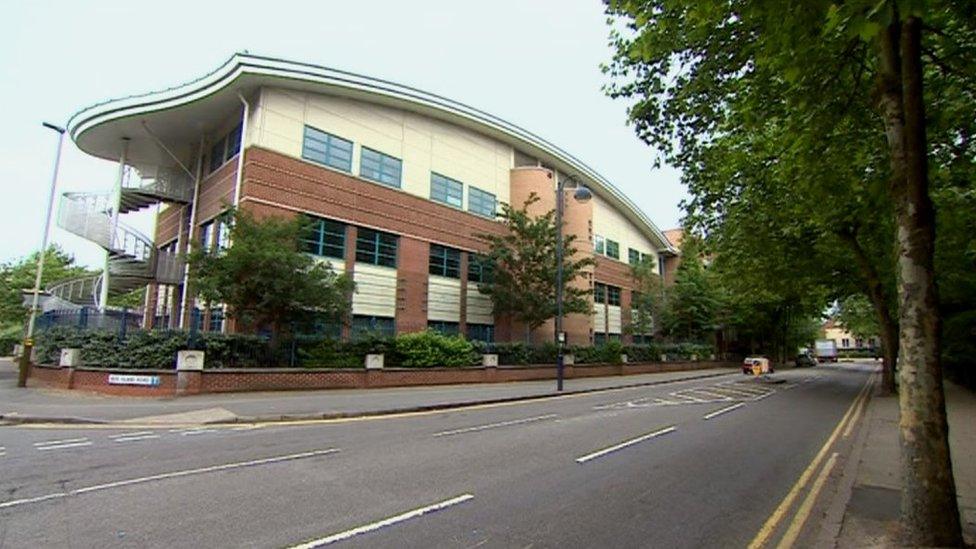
<point>179,115</point>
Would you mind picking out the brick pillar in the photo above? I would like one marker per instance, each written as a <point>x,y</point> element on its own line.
<point>350,262</point>
<point>411,299</point>
<point>463,322</point>
<point>578,221</point>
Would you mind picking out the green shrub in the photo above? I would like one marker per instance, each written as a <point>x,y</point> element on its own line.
<point>7,343</point>
<point>430,349</point>
<point>331,353</point>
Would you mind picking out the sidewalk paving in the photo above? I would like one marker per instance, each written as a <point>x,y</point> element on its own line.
<point>34,404</point>
<point>872,512</point>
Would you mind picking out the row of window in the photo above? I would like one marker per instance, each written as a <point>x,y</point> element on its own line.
<point>636,257</point>
<point>327,238</point>
<point>446,262</point>
<point>215,235</point>
<point>336,152</point>
<point>603,293</point>
<point>224,149</point>
<point>607,247</point>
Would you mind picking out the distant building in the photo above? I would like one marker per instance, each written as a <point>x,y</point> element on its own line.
<point>397,182</point>
<point>845,340</point>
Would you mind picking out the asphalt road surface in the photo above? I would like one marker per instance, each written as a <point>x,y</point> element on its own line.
<point>639,467</point>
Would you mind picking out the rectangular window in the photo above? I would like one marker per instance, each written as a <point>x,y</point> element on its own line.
<point>845,343</point>
<point>206,236</point>
<point>613,249</point>
<point>481,202</point>
<point>323,237</point>
<point>327,149</point>
<point>365,326</point>
<point>481,332</point>
<point>599,293</point>
<point>599,339</point>
<point>444,261</point>
<point>217,154</point>
<point>660,265</point>
<point>642,339</point>
<point>599,244</point>
<point>221,235</point>
<point>446,328</point>
<point>233,143</point>
<point>216,320</point>
<point>379,167</point>
<point>634,257</point>
<point>376,247</point>
<point>320,324</point>
<point>446,190</point>
<point>478,270</point>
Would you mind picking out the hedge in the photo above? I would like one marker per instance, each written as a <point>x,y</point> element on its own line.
<point>157,350</point>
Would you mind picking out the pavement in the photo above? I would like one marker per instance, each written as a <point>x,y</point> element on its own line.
<point>691,463</point>
<point>19,405</point>
<point>873,498</point>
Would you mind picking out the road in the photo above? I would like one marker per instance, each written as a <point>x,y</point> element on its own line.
<point>638,467</point>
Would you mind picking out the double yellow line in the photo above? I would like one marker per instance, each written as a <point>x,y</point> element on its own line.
<point>803,512</point>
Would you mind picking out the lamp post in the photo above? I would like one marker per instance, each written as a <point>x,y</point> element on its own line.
<point>582,194</point>
<point>39,271</point>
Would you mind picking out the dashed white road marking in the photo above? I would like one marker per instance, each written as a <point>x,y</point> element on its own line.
<point>723,410</point>
<point>3,451</point>
<point>163,476</point>
<point>625,444</point>
<point>494,425</point>
<point>62,441</point>
<point>62,444</point>
<point>192,432</point>
<point>366,528</point>
<point>130,434</point>
<point>135,438</point>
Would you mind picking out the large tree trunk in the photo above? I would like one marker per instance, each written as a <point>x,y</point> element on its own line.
<point>886,321</point>
<point>929,511</point>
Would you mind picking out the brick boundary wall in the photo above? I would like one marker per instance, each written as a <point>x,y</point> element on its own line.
<point>296,379</point>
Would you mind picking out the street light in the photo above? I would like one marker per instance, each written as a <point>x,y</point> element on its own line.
<point>39,271</point>
<point>582,194</point>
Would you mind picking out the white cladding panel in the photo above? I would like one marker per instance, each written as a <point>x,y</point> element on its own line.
<point>423,144</point>
<point>375,290</point>
<point>444,299</point>
<point>599,318</point>
<point>479,306</point>
<point>613,319</point>
<point>610,223</point>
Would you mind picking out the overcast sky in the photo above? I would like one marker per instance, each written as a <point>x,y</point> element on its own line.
<point>533,63</point>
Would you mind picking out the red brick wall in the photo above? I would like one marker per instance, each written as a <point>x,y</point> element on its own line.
<point>291,183</point>
<point>217,192</point>
<point>223,381</point>
<point>168,224</point>
<point>411,294</point>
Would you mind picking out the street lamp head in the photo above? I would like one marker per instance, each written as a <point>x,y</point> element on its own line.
<point>51,126</point>
<point>582,194</point>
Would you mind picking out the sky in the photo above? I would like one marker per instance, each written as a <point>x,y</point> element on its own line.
<point>534,63</point>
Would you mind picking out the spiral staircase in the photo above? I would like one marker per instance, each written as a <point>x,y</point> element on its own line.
<point>133,259</point>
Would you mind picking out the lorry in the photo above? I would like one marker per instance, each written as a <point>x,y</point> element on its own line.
<point>826,350</point>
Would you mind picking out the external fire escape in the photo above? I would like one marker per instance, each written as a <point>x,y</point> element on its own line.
<point>132,259</point>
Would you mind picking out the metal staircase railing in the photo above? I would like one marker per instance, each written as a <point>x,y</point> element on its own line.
<point>133,259</point>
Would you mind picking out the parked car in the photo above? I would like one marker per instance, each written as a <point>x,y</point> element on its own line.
<point>763,363</point>
<point>805,358</point>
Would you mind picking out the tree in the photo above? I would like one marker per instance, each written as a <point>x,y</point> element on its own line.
<point>263,278</point>
<point>523,266</point>
<point>856,315</point>
<point>648,301</point>
<point>16,276</point>
<point>693,303</point>
<point>794,91</point>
